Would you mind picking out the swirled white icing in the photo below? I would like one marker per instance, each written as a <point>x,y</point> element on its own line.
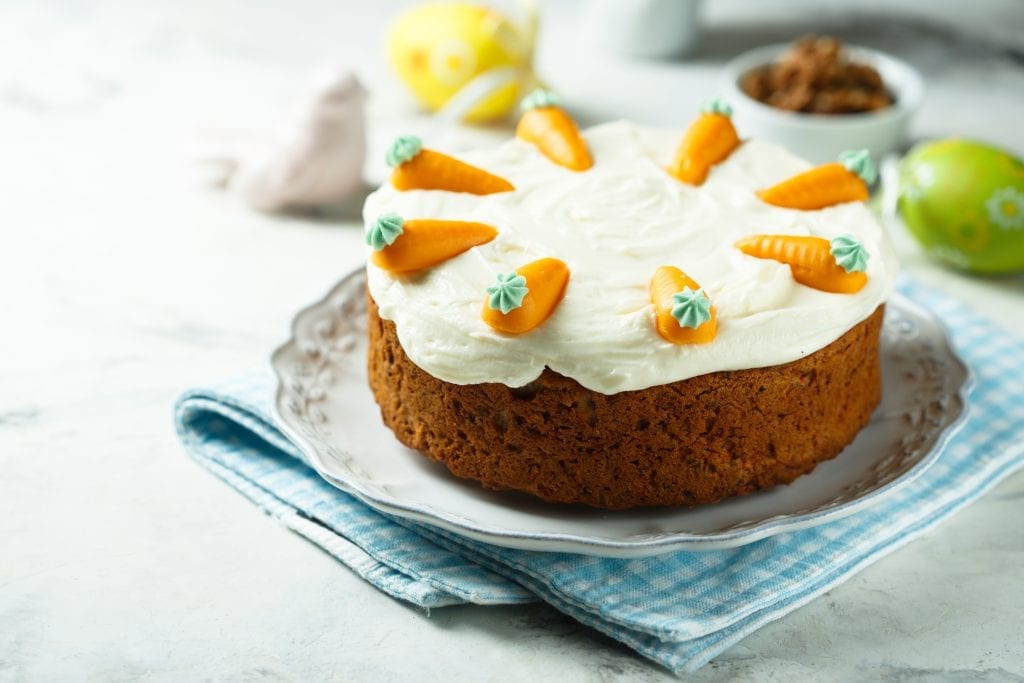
<point>614,225</point>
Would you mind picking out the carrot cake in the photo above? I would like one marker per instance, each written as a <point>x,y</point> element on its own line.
<point>625,316</point>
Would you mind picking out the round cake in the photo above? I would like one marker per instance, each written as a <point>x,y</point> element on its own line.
<point>607,326</point>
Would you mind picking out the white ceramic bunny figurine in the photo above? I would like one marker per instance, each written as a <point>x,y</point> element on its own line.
<point>315,161</point>
<point>320,161</point>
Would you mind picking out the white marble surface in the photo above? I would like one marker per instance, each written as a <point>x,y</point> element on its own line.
<point>123,280</point>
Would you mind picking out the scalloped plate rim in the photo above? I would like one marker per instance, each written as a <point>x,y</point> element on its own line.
<point>642,544</point>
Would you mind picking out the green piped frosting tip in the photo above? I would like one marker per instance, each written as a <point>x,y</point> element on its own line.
<point>849,254</point>
<point>386,229</point>
<point>716,106</point>
<point>508,293</point>
<point>691,308</point>
<point>403,149</point>
<point>859,161</point>
<point>540,98</point>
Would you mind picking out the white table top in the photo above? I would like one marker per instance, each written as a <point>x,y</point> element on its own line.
<point>123,280</point>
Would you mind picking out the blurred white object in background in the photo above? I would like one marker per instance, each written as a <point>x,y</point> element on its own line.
<point>644,28</point>
<point>314,160</point>
<point>821,137</point>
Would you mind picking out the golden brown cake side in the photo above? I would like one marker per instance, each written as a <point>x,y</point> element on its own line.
<point>689,442</point>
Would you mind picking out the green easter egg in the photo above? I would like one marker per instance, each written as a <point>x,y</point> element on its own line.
<point>964,202</point>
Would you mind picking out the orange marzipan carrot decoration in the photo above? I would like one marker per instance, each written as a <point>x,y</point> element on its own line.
<point>821,186</point>
<point>668,281</point>
<point>809,258</point>
<point>556,135</point>
<point>430,170</point>
<point>427,242</point>
<point>708,141</point>
<point>546,279</point>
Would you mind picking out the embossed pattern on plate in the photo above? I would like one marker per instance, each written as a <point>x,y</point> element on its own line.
<point>324,404</point>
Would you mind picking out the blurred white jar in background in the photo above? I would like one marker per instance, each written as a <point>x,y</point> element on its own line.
<point>644,28</point>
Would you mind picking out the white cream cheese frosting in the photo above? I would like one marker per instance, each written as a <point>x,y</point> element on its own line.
<point>614,225</point>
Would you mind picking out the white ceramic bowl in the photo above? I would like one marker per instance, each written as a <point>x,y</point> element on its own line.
<point>821,137</point>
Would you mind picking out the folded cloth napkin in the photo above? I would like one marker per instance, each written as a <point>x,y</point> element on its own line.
<point>679,609</point>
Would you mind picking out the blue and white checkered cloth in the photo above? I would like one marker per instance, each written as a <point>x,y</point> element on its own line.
<point>680,609</point>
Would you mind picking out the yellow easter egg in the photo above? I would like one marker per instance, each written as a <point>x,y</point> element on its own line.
<point>438,48</point>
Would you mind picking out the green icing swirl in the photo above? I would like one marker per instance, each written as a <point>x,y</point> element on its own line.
<point>859,161</point>
<point>386,229</point>
<point>849,253</point>
<point>716,106</point>
<point>508,293</point>
<point>404,148</point>
<point>540,98</point>
<point>691,308</point>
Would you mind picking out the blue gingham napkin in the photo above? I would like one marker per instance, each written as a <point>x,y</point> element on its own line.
<point>679,609</point>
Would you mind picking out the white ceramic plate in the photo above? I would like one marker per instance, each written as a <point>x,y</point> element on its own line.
<point>324,404</point>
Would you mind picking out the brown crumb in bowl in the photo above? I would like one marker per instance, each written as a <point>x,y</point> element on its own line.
<point>815,77</point>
